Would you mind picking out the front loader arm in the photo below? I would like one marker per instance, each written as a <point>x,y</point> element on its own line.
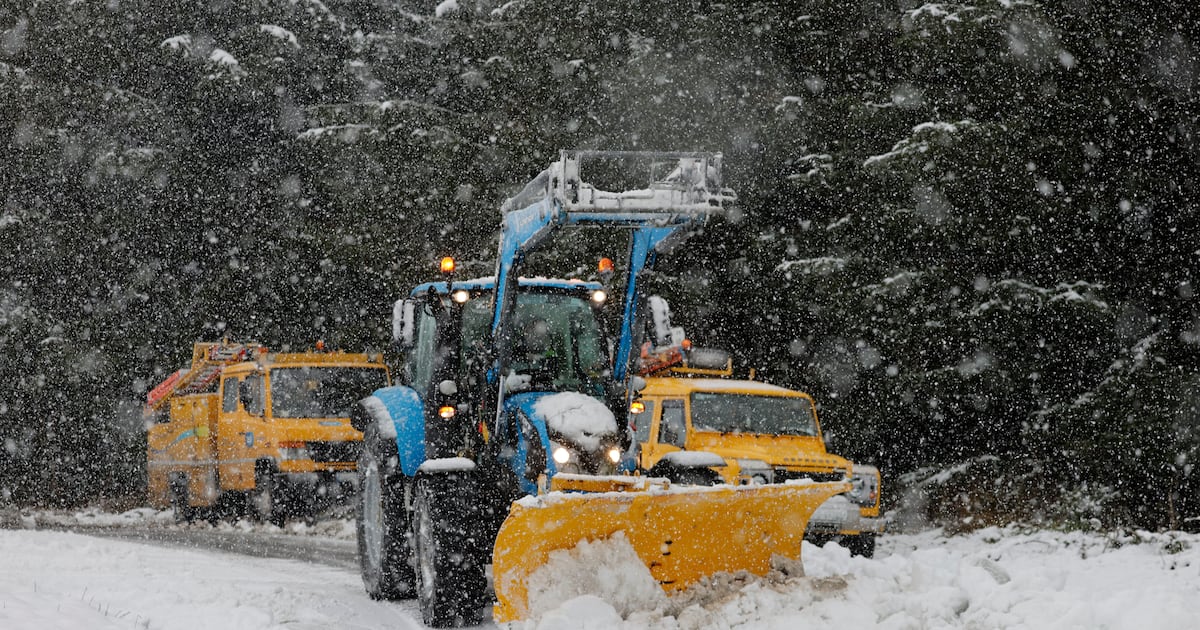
<point>668,209</point>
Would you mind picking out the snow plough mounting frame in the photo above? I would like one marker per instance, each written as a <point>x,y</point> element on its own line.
<point>451,451</point>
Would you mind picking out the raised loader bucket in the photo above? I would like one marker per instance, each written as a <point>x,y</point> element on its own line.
<point>681,534</point>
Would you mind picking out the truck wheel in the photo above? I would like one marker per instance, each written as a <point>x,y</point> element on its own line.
<point>382,523</point>
<point>451,584</point>
<point>184,512</point>
<point>860,545</point>
<point>263,500</point>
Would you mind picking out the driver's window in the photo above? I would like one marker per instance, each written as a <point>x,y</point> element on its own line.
<point>251,393</point>
<point>229,402</point>
<point>672,429</point>
<point>420,358</point>
<point>641,422</point>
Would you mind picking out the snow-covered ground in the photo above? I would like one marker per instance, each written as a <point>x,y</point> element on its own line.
<point>989,579</point>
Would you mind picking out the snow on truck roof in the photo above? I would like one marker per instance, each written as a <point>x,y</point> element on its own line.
<point>719,385</point>
<point>488,283</point>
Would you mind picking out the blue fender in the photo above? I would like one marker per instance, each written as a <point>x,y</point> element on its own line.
<point>521,405</point>
<point>406,412</point>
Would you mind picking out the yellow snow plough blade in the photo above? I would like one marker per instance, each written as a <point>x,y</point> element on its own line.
<point>681,534</point>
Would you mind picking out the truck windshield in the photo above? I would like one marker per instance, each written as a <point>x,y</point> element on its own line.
<point>555,340</point>
<point>321,392</point>
<point>749,413</point>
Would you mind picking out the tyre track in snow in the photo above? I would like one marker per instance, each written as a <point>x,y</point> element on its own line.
<point>342,554</point>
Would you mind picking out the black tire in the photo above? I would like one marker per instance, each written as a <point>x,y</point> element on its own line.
<point>184,512</point>
<point>447,540</point>
<point>860,545</point>
<point>382,523</point>
<point>264,500</point>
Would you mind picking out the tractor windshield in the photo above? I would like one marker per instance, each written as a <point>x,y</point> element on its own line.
<point>321,392</point>
<point>555,340</point>
<point>749,413</point>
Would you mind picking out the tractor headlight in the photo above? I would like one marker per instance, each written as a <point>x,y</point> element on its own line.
<point>614,455</point>
<point>561,455</point>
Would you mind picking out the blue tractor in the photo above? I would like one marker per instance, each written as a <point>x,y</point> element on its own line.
<point>510,384</point>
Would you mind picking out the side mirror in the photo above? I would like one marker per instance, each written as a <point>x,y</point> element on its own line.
<point>403,326</point>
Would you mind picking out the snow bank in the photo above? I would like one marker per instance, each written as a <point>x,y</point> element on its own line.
<point>578,417</point>
<point>55,580</point>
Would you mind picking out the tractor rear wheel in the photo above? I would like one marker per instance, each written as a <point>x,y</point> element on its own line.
<point>384,549</point>
<point>451,585</point>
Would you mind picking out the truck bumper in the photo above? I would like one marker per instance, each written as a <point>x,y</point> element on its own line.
<point>837,515</point>
<point>870,525</point>
<point>841,517</point>
<point>311,492</point>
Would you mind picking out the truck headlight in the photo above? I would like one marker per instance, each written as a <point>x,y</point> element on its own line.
<point>865,485</point>
<point>561,455</point>
<point>614,455</point>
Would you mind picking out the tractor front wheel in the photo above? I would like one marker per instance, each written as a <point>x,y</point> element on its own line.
<point>451,585</point>
<point>384,549</point>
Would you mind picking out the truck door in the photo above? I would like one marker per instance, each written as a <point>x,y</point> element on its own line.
<point>240,430</point>
<point>668,432</point>
<point>672,429</point>
<point>641,424</point>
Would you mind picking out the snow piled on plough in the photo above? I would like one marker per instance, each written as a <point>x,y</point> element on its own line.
<point>606,569</point>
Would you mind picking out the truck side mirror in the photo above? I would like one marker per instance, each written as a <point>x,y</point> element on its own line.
<point>403,323</point>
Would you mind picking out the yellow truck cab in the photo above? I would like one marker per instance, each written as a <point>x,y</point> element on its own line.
<point>258,432</point>
<point>701,426</point>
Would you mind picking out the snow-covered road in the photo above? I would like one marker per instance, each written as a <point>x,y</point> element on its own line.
<point>989,579</point>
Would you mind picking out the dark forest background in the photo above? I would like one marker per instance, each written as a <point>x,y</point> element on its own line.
<point>968,229</point>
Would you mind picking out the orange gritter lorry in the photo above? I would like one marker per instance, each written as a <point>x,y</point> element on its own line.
<point>244,431</point>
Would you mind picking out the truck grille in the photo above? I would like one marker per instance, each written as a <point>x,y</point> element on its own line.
<point>783,474</point>
<point>334,451</point>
